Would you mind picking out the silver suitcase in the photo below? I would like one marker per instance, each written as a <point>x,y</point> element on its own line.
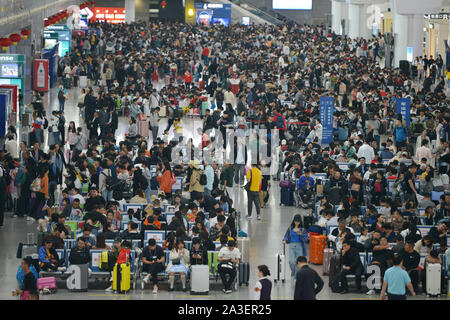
<point>280,266</point>
<point>433,274</point>
<point>199,279</point>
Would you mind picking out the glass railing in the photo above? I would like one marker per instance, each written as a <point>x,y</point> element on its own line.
<point>257,11</point>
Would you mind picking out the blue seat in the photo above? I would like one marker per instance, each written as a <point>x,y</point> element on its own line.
<point>155,234</point>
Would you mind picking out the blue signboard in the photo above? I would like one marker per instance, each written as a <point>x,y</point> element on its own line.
<point>326,118</point>
<point>404,108</point>
<point>3,115</point>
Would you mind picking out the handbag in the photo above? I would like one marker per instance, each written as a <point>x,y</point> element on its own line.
<point>248,185</point>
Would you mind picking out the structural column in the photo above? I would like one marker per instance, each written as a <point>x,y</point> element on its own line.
<point>336,12</point>
<point>408,26</point>
<point>130,11</point>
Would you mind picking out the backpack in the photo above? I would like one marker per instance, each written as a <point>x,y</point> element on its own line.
<point>45,123</point>
<point>61,95</point>
<point>103,261</point>
<point>203,179</point>
<point>124,256</point>
<point>109,182</point>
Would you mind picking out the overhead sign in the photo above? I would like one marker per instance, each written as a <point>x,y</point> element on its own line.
<point>326,118</point>
<point>438,16</point>
<point>404,108</point>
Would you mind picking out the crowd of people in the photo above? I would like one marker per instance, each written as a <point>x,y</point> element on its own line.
<point>258,88</point>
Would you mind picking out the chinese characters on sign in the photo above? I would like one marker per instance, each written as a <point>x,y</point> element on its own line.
<point>326,118</point>
<point>404,108</point>
<point>439,16</point>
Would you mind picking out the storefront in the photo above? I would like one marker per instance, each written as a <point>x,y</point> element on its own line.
<point>59,35</point>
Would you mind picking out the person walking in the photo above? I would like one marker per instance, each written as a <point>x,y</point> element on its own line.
<point>297,237</point>
<point>263,287</point>
<point>395,280</point>
<point>308,282</point>
<point>254,177</point>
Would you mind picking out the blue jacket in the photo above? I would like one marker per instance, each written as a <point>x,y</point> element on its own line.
<point>21,275</point>
<point>303,181</point>
<point>304,236</point>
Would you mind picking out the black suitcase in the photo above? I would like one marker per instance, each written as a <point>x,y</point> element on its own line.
<point>335,268</point>
<point>287,197</point>
<point>244,273</point>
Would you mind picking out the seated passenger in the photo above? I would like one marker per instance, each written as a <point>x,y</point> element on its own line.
<point>228,261</point>
<point>199,254</point>
<point>179,263</point>
<point>49,259</point>
<point>153,259</point>
<point>351,264</point>
<point>80,253</point>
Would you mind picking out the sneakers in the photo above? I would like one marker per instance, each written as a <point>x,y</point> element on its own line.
<point>370,292</point>
<point>145,280</point>
<point>228,291</point>
<point>110,289</point>
<point>224,291</point>
<point>62,269</point>
<point>258,217</point>
<point>31,219</point>
<point>155,289</point>
<point>171,289</point>
<point>249,217</point>
<point>184,289</point>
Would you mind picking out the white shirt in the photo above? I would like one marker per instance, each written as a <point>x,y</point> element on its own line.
<point>367,152</point>
<point>225,253</point>
<point>11,148</point>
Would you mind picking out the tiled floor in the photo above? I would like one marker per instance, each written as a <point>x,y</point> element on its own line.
<point>265,242</point>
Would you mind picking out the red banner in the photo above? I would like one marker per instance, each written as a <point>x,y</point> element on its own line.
<point>41,75</point>
<point>108,14</point>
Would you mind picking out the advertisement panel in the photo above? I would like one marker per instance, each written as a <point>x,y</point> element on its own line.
<point>40,76</point>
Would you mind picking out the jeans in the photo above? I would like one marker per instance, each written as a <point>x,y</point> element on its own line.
<point>61,105</point>
<point>107,194</point>
<point>38,135</point>
<point>207,192</point>
<point>56,137</point>
<point>396,296</point>
<point>239,177</point>
<point>295,251</point>
<point>253,197</point>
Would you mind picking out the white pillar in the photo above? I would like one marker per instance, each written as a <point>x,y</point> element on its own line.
<point>400,28</point>
<point>130,11</point>
<point>353,20</point>
<point>415,34</point>
<point>336,12</point>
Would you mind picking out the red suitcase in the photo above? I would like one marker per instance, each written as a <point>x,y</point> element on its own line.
<point>316,246</point>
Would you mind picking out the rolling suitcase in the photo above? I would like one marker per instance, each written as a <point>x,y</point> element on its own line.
<point>280,266</point>
<point>327,254</point>
<point>334,269</point>
<point>316,246</point>
<point>47,285</point>
<point>83,81</point>
<point>78,279</point>
<point>143,129</point>
<point>433,279</point>
<point>287,196</point>
<point>199,279</point>
<point>27,249</point>
<point>244,248</point>
<point>121,278</point>
<point>244,273</point>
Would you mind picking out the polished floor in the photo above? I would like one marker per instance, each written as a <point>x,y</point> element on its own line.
<point>265,242</point>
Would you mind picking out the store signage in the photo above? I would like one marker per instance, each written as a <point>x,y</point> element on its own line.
<point>438,16</point>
